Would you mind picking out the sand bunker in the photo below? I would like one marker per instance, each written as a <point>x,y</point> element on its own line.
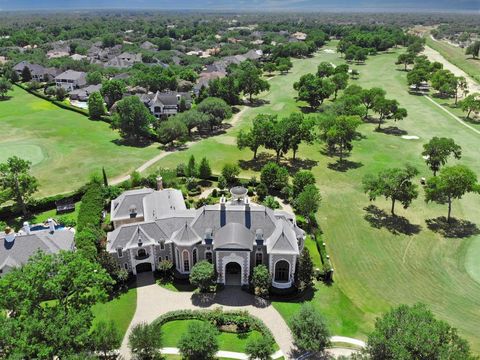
<point>410,137</point>
<point>329,51</point>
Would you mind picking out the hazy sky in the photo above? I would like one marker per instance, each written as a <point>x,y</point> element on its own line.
<point>272,5</point>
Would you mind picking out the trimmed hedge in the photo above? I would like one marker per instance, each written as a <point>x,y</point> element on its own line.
<point>327,273</point>
<point>217,317</point>
<point>90,214</point>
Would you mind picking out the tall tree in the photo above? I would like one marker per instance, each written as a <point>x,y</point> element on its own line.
<point>202,275</point>
<point>26,74</point>
<point>385,108</point>
<point>325,69</point>
<point>412,332</point>
<point>171,130</point>
<point>49,300</point>
<point>340,80</point>
<point>106,338</point>
<point>204,170</point>
<point>473,49</point>
<point>216,110</point>
<point>113,91</point>
<point>296,128</point>
<point>17,183</point>
<point>437,151</point>
<point>260,348</point>
<point>309,330</point>
<point>314,90</point>
<point>145,342</point>
<point>199,342</point>
<point>470,104</point>
<point>257,135</point>
<point>96,109</point>
<point>132,119</point>
<point>451,183</point>
<point>405,59</point>
<point>339,133</point>
<point>370,97</point>
<point>5,87</point>
<point>305,270</point>
<point>395,184</point>
<point>261,280</point>
<point>249,79</point>
<point>308,201</point>
<point>301,179</point>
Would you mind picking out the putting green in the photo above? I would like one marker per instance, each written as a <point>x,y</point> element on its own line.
<point>472,259</point>
<point>30,152</point>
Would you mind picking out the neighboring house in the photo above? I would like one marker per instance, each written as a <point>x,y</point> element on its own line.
<point>162,104</point>
<point>147,45</point>
<point>205,77</point>
<point>234,235</point>
<point>71,80</point>
<point>78,57</point>
<point>38,72</point>
<point>300,36</point>
<point>84,93</point>
<point>17,248</point>
<point>124,60</point>
<point>122,76</point>
<point>53,54</point>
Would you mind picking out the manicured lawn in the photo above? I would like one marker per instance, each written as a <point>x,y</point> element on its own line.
<point>456,56</point>
<point>64,147</point>
<point>120,310</point>
<point>312,248</point>
<point>173,330</point>
<point>376,268</point>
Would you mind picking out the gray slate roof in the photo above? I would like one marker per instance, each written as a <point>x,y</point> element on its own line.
<point>71,75</point>
<point>19,251</point>
<point>233,236</point>
<point>121,206</point>
<point>162,202</point>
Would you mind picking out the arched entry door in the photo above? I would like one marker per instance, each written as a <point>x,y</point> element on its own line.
<point>143,267</point>
<point>233,274</point>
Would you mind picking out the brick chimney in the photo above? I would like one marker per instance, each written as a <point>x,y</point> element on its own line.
<point>159,183</point>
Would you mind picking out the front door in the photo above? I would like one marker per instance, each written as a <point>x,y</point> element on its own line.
<point>233,274</point>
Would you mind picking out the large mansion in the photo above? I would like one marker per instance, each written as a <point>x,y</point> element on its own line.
<point>235,235</point>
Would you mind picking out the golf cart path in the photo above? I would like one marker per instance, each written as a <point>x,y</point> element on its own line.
<point>434,55</point>
<point>154,301</point>
<point>119,179</point>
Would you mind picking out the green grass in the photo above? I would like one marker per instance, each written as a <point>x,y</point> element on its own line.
<point>173,330</point>
<point>456,56</point>
<point>312,248</point>
<point>374,268</point>
<point>120,310</point>
<point>63,146</point>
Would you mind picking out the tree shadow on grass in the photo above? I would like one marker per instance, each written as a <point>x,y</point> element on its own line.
<point>5,98</point>
<point>456,228</point>
<point>132,143</point>
<point>378,219</point>
<point>293,165</point>
<point>256,103</point>
<point>392,130</point>
<point>344,165</point>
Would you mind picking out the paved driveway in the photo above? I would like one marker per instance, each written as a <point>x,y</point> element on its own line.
<point>153,301</point>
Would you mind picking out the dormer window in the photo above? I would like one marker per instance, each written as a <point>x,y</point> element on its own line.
<point>162,245</point>
<point>119,252</point>
<point>133,211</point>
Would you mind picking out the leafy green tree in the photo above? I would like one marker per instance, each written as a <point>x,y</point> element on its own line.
<point>451,183</point>
<point>204,169</point>
<point>444,82</point>
<point>370,97</point>
<point>308,201</point>
<point>274,176</point>
<point>261,190</point>
<point>133,119</point>
<point>260,348</point>
<point>470,104</point>
<point>461,84</point>
<point>60,327</point>
<point>112,91</point>
<point>473,49</point>
<point>191,169</point>
<point>340,80</point>
<point>165,266</point>
<point>394,184</point>
<point>17,183</point>
<point>338,133</point>
<point>258,135</point>
<point>271,202</point>
<point>249,79</point>
<point>145,342</point>
<point>60,93</point>
<point>437,151</point>
<point>216,110</point>
<point>309,330</point>
<point>301,179</point>
<point>295,128</point>
<point>270,67</point>
<point>325,69</point>
<point>94,77</point>
<point>385,108</point>
<point>96,109</point>
<point>5,87</point>
<point>283,65</point>
<point>412,332</point>
<point>199,341</point>
<point>405,59</point>
<point>226,88</point>
<point>230,173</point>
<point>314,90</point>
<point>105,338</point>
<point>305,271</point>
<point>261,280</point>
<point>360,55</point>
<point>192,119</point>
<point>26,74</point>
<point>203,275</point>
<point>164,43</point>
<point>171,130</point>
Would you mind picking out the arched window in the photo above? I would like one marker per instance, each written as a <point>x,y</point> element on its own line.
<point>209,256</point>
<point>126,266</point>
<point>119,252</point>
<point>282,269</point>
<point>186,261</point>
<point>159,259</point>
<point>258,258</point>
<point>194,256</point>
<point>162,245</point>
<point>141,252</point>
